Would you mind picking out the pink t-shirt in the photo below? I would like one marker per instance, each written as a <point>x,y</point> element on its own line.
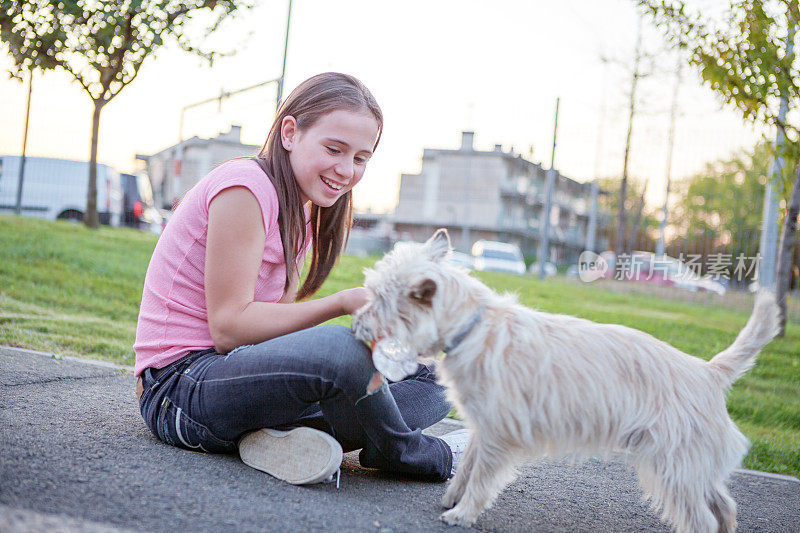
<point>173,319</point>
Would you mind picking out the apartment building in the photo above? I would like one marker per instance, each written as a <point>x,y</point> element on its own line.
<point>175,170</point>
<point>498,195</point>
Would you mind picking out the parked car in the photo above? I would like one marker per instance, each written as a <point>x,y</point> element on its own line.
<point>549,269</point>
<point>57,189</point>
<point>665,270</point>
<point>646,267</point>
<point>498,256</point>
<point>461,259</point>
<point>573,271</point>
<point>140,210</point>
<point>691,281</point>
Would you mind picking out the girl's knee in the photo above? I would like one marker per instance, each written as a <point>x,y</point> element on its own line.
<point>341,339</point>
<point>351,356</point>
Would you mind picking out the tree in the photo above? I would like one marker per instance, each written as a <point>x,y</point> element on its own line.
<point>641,229</point>
<point>102,44</point>
<point>636,74</point>
<point>747,59</point>
<point>721,207</point>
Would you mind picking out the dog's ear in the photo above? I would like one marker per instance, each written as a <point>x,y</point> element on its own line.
<point>423,291</point>
<point>438,245</point>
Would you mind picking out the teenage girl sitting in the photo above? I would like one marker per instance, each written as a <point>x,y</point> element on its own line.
<point>229,352</point>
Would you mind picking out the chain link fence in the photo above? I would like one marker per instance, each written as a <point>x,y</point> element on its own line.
<point>707,269</point>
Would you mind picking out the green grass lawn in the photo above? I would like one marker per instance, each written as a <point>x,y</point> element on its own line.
<point>68,290</point>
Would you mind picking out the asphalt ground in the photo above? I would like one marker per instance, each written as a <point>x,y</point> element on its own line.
<point>76,456</point>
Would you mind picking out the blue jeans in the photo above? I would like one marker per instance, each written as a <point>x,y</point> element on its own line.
<point>317,377</point>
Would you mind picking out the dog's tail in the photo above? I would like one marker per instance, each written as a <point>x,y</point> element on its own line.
<point>731,363</point>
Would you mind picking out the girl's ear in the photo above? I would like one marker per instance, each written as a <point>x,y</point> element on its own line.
<point>288,132</point>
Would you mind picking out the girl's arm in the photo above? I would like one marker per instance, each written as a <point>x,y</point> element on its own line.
<point>234,248</point>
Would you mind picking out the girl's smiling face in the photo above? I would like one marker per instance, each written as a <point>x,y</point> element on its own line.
<point>329,157</point>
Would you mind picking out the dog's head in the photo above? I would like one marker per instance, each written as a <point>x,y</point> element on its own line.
<point>406,301</point>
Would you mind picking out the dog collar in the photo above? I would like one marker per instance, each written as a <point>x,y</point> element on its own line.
<point>464,332</point>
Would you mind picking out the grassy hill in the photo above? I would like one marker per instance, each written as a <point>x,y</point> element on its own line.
<point>68,290</point>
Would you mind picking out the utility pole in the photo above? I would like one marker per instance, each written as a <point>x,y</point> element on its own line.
<point>768,246</point>
<point>279,96</point>
<point>661,244</point>
<point>623,188</point>
<point>544,241</point>
<point>591,230</point>
<point>18,207</point>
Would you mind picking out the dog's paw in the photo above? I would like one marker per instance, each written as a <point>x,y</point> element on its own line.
<point>450,498</point>
<point>457,517</point>
<point>455,489</point>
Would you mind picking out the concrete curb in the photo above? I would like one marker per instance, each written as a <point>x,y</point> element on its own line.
<point>93,362</point>
<point>768,475</point>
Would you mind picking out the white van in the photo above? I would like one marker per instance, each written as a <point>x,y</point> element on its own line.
<point>498,256</point>
<point>57,188</point>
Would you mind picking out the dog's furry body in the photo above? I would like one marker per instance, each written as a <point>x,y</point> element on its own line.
<point>530,384</point>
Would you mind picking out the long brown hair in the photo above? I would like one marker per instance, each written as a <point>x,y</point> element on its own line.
<point>330,226</point>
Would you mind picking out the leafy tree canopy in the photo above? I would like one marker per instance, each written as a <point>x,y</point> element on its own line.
<point>744,57</point>
<point>726,197</point>
<point>102,44</point>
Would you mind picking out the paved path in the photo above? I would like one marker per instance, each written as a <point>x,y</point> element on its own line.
<point>76,456</point>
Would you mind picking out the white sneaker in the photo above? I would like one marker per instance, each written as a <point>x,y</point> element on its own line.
<point>300,456</point>
<point>457,440</point>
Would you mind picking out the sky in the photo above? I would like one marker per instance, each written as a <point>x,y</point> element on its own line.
<point>436,67</point>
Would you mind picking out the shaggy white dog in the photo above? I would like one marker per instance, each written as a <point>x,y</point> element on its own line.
<point>531,384</point>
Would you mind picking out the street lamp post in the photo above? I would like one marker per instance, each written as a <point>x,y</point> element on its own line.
<point>224,94</point>
<point>543,253</point>
<point>218,99</point>
<point>279,95</point>
<point>179,147</point>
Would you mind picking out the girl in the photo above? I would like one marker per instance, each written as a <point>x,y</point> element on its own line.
<point>225,357</point>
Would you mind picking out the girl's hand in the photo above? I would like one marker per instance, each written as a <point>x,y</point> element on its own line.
<point>351,300</point>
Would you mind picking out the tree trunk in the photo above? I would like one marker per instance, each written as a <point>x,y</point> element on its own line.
<point>619,247</point>
<point>794,278</point>
<point>636,229</point>
<point>91,218</point>
<point>784,273</point>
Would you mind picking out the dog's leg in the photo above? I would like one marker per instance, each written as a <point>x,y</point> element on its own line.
<point>455,489</point>
<point>690,512</point>
<point>724,508</point>
<point>492,469</point>
<point>678,487</point>
<point>684,502</point>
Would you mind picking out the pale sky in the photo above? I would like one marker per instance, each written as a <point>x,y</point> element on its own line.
<point>436,67</point>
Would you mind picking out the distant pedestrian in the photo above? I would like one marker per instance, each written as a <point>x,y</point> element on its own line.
<point>227,359</point>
